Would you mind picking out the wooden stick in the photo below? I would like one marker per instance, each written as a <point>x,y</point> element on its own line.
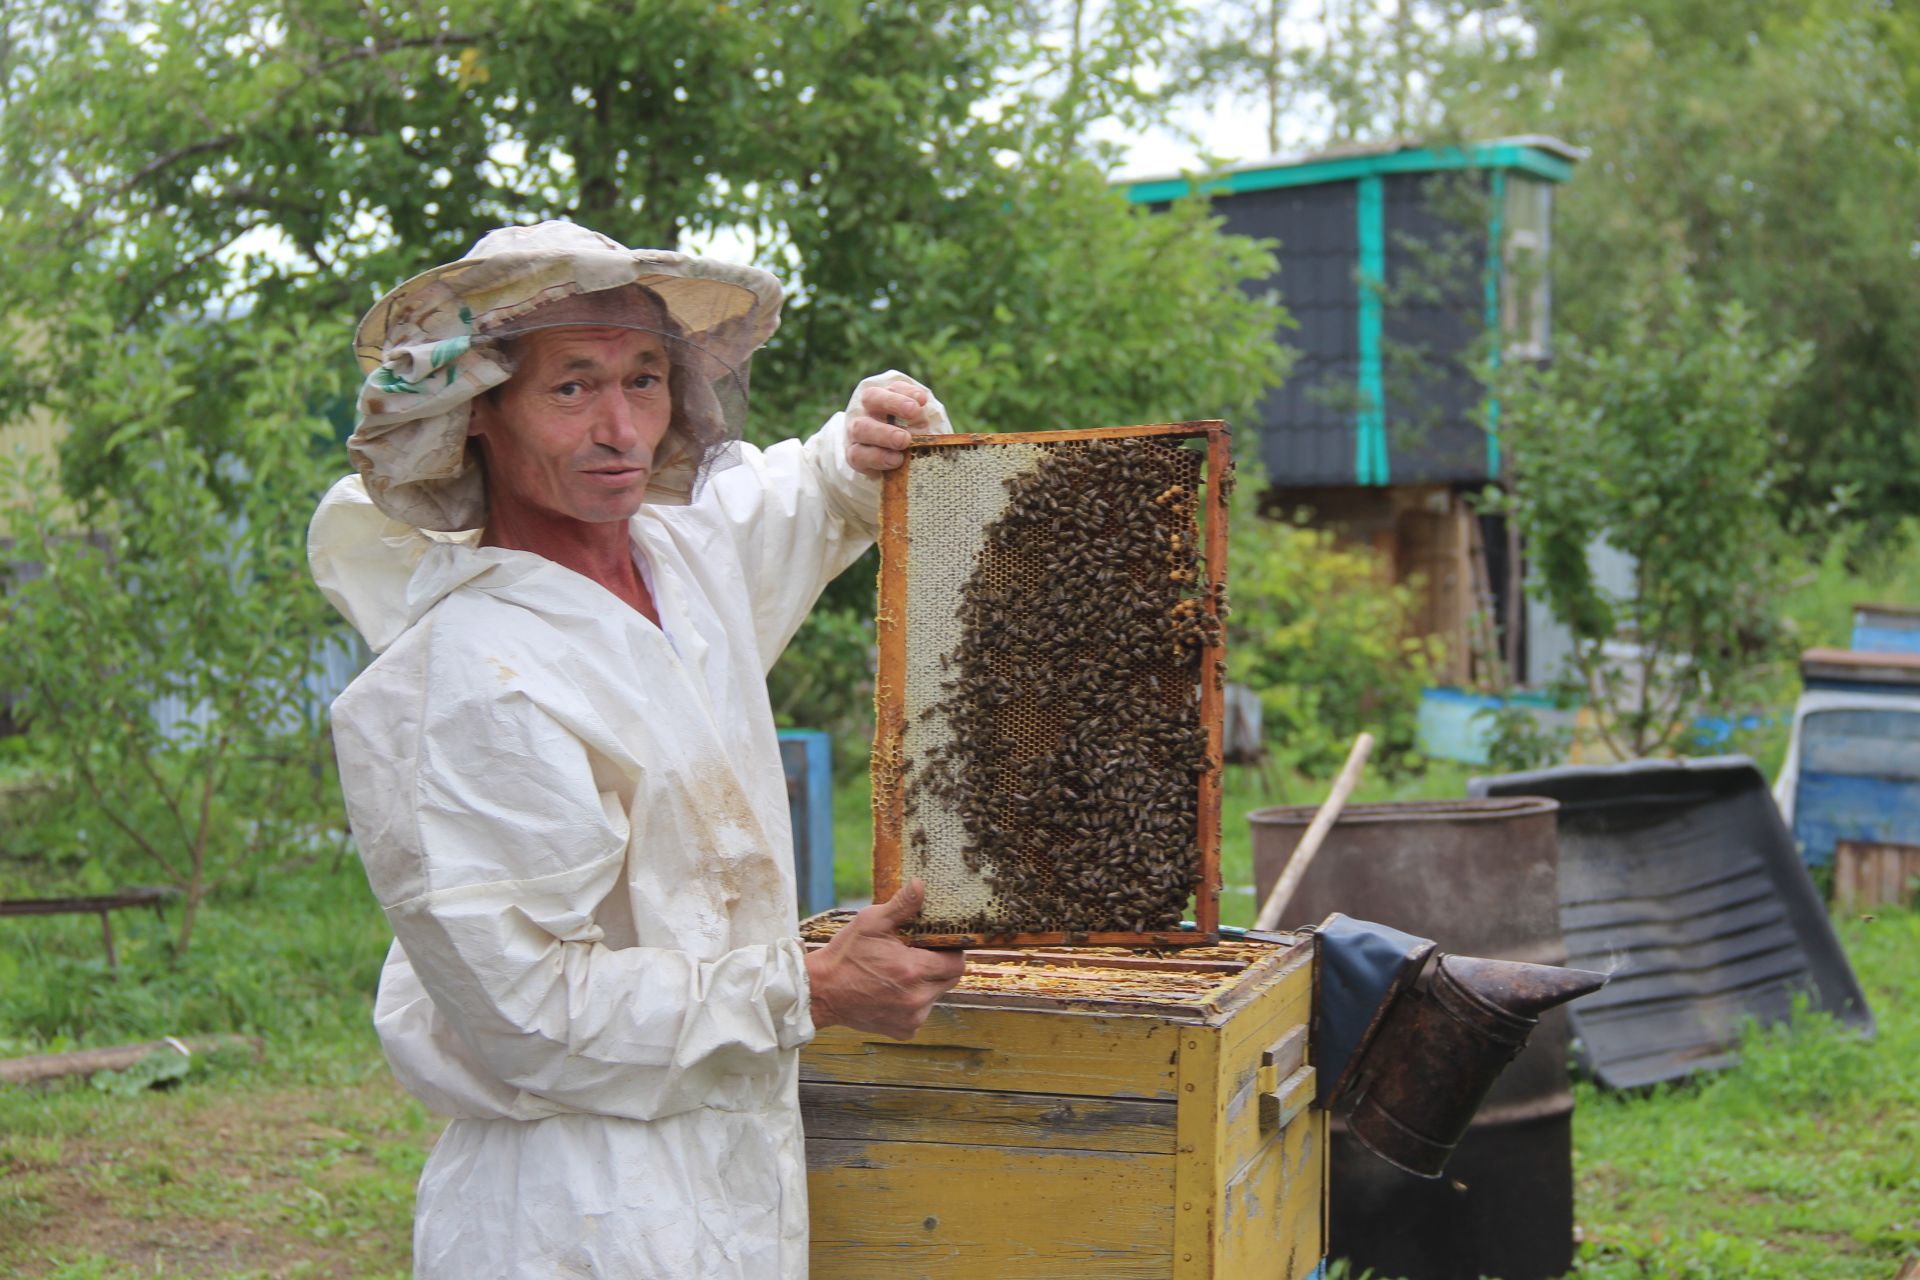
<point>119,1057</point>
<point>1303,853</point>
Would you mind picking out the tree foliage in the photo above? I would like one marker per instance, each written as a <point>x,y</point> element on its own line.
<point>197,201</point>
<point>1325,637</point>
<point>912,169</point>
<point>1769,151</point>
<point>1652,445</point>
<point>161,661</point>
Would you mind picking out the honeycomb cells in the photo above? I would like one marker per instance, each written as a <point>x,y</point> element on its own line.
<point>1056,623</point>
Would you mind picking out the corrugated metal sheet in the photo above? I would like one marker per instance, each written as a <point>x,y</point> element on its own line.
<point>1433,303</point>
<point>1680,879</point>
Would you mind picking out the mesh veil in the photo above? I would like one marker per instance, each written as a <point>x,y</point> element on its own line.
<point>452,333</point>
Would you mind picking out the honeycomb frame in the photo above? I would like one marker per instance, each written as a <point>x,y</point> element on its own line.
<point>893,761</point>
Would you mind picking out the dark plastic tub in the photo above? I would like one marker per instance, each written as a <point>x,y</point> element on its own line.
<point>1679,879</point>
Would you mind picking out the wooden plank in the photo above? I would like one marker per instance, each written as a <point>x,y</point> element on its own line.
<point>1272,1222</point>
<point>1872,873</point>
<point>984,941</point>
<point>50,1066</point>
<point>146,897</point>
<point>968,1213</point>
<point>1861,667</point>
<point>1284,1004</point>
<point>1018,1050</point>
<point>971,1117</point>
<point>1213,685</point>
<point>1085,960</point>
<point>889,687</point>
<point>1195,1174</point>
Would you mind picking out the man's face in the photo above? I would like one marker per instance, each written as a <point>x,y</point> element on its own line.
<point>573,432</point>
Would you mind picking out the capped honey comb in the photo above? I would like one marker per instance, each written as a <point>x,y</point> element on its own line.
<point>1047,744</point>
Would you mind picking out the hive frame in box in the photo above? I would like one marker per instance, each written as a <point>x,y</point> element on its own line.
<point>890,718</point>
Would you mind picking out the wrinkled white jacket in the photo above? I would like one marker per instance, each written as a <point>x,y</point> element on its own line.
<point>577,827</point>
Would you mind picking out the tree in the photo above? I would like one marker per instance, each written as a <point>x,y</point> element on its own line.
<point>870,152</point>
<point>1325,637</point>
<point>190,177</point>
<point>1652,445</point>
<point>1770,151</point>
<point>1767,149</point>
<point>160,663</point>
<point>1323,73</point>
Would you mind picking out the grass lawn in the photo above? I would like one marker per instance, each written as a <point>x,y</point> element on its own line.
<point>1803,1163</point>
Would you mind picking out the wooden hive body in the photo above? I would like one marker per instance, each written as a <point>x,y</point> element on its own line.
<point>1077,1122</point>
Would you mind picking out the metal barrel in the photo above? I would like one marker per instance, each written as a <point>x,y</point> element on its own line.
<point>1479,877</point>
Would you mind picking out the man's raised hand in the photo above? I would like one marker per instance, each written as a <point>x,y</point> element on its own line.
<point>876,445</point>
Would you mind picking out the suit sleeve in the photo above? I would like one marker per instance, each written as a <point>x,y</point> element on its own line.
<point>490,844</point>
<point>799,515</point>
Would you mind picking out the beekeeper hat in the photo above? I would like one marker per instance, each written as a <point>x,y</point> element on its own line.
<point>437,341</point>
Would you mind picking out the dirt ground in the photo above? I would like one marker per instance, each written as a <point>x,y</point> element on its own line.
<point>213,1182</point>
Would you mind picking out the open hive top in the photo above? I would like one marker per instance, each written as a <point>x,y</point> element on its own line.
<point>1047,743</point>
<point>1195,980</point>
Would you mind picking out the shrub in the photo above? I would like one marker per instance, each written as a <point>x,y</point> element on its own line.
<point>1659,446</point>
<point>159,661</point>
<point>1324,638</point>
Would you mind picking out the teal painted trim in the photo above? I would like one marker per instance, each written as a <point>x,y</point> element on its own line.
<point>1370,423</point>
<point>1496,263</point>
<point>1528,160</point>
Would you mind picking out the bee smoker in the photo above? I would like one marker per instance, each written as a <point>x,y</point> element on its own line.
<point>1410,1077</point>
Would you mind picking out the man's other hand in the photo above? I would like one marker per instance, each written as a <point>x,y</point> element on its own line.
<point>874,444</point>
<point>868,979</point>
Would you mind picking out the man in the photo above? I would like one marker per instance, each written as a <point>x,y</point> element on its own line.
<point>561,769</point>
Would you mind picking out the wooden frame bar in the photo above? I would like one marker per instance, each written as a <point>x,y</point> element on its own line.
<point>889,791</point>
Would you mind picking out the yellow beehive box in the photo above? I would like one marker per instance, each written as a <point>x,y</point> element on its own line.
<point>1084,1112</point>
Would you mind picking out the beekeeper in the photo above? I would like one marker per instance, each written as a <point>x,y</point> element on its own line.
<point>561,767</point>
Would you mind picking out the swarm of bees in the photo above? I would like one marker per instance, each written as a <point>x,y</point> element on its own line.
<point>1076,739</point>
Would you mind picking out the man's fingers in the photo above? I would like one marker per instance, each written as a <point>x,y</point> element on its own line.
<point>943,968</point>
<point>897,399</point>
<point>904,905</point>
<point>885,435</point>
<point>873,461</point>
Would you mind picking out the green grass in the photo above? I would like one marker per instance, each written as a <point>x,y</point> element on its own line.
<point>1802,1163</point>
<point>301,1164</point>
<point>241,1174</point>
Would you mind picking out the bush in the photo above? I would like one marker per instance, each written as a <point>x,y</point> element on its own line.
<point>1324,638</point>
<point>1659,446</point>
<point>824,679</point>
<point>159,659</point>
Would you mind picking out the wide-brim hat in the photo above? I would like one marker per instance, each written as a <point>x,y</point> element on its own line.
<point>438,340</point>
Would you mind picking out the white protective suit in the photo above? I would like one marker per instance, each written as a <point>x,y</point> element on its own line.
<point>577,825</point>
